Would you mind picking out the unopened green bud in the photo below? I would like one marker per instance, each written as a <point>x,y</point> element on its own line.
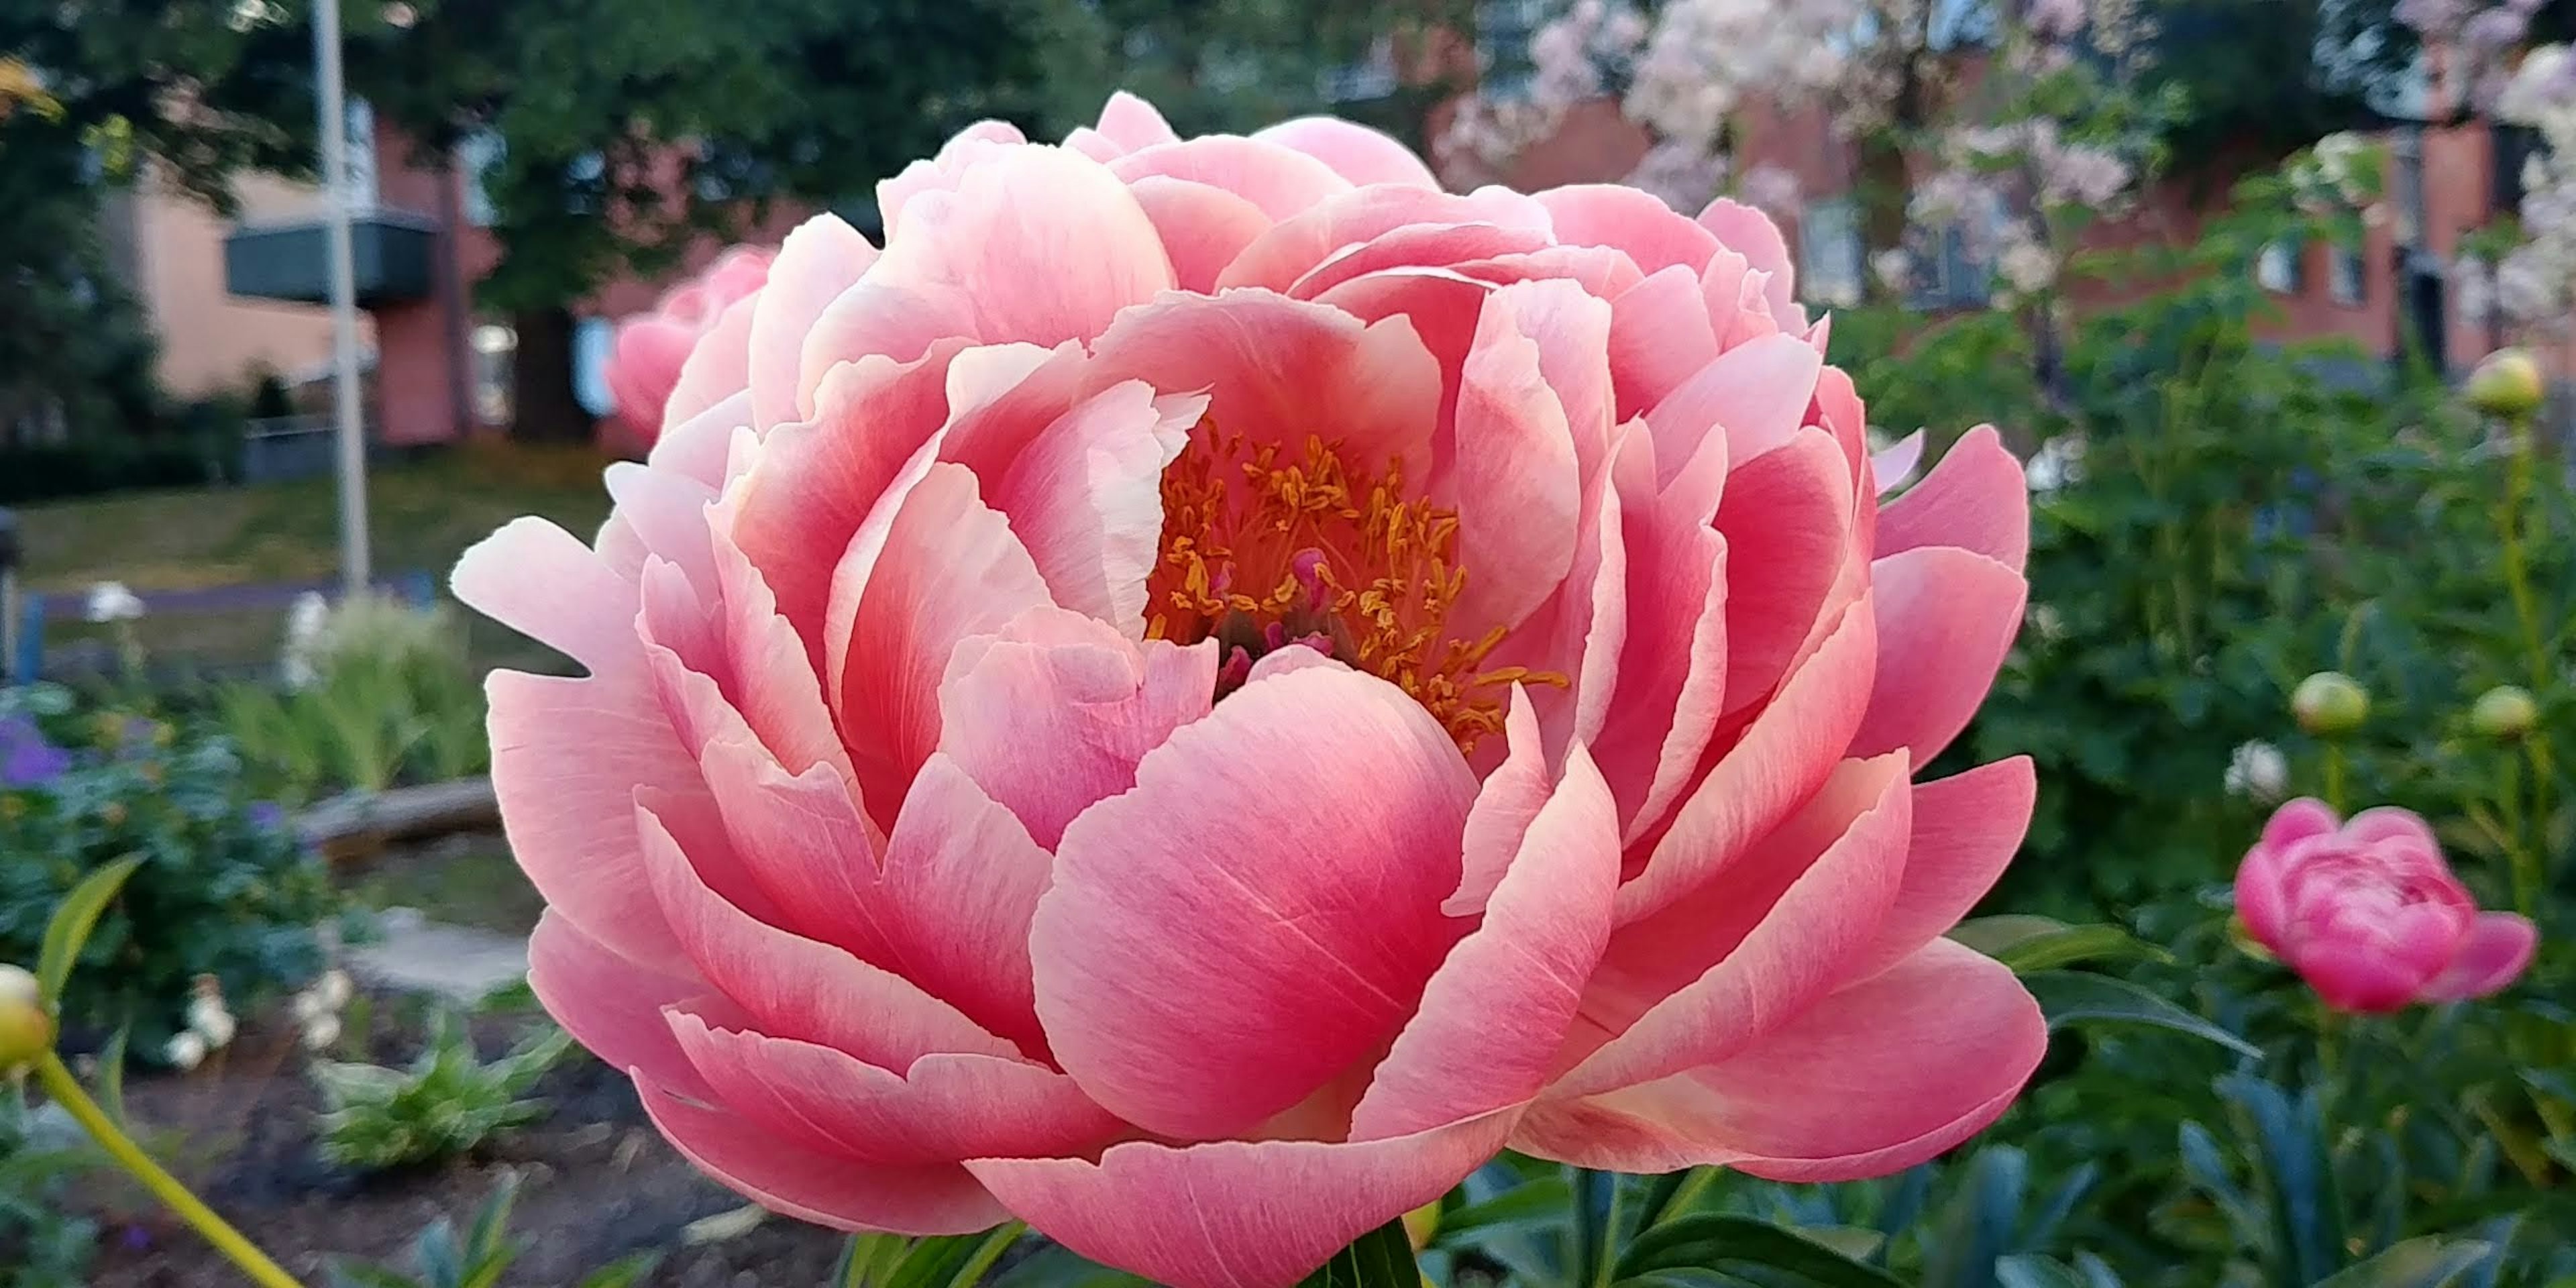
<point>26,1032</point>
<point>2330,704</point>
<point>2504,712</point>
<point>2507,384</point>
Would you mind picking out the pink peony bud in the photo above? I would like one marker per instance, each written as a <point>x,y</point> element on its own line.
<point>644,367</point>
<point>2369,914</point>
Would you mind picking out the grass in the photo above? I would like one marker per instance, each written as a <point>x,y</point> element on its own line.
<point>421,516</point>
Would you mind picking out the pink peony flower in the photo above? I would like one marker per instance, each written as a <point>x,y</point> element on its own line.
<point>1210,686</point>
<point>2369,914</point>
<point>651,348</point>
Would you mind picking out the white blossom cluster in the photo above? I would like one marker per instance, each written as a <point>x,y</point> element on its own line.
<point>2480,35</point>
<point>2535,282</point>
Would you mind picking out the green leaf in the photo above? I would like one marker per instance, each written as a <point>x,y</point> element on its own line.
<point>2027,1270</point>
<point>356,1276</point>
<point>1540,1202</point>
<point>957,1261</point>
<point>440,1264</point>
<point>2417,1263</point>
<point>1056,1266</point>
<point>2307,1214</point>
<point>1382,1258</point>
<point>1734,1245</point>
<point>492,1223</point>
<point>2070,997</point>
<point>111,1077</point>
<point>73,921</point>
<point>622,1273</point>
<point>1981,1221</point>
<point>2069,945</point>
<point>1993,936</point>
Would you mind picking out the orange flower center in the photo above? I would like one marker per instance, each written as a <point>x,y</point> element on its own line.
<point>1263,549</point>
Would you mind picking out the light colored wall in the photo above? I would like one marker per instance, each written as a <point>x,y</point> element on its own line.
<point>211,341</point>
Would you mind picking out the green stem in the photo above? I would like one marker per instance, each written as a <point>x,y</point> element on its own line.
<point>2334,777</point>
<point>66,1091</point>
<point>2329,1060</point>
<point>2522,859</point>
<point>2517,577</point>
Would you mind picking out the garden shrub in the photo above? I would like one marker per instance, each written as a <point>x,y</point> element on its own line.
<point>373,692</point>
<point>447,1103</point>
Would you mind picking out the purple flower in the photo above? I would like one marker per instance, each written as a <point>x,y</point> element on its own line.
<point>267,816</point>
<point>26,758</point>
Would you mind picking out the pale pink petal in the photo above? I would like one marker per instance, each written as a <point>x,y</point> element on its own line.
<point>1784,755</point>
<point>1602,271</point>
<point>978,142</point>
<point>943,1109</point>
<point>1780,926</point>
<point>1659,337</point>
<point>945,566</point>
<point>818,261</point>
<point>1236,1214</point>
<point>962,878</point>
<point>1757,392</point>
<point>1054,713</point>
<point>794,987</point>
<point>1751,233</point>
<point>1572,330</point>
<point>1279,257</point>
<point>1509,798</point>
<point>1946,617</point>
<point>1787,520</point>
<point>717,369</point>
<point>1261,911</point>
<point>1203,227</point>
<point>1281,181</point>
<point>1415,246</point>
<point>1355,152</point>
<point>1086,497</point>
<point>1516,480</point>
<point>697,447</point>
<point>1893,468</point>
<point>667,511</point>
<point>612,1005</point>
<point>773,684</point>
<point>1976,499</point>
<point>1672,674</point>
<point>1281,370</point>
<point>1441,307</point>
<point>1093,144</point>
<point>1966,829</point>
<point>2499,947</point>
<point>829,1190</point>
<point>1885,1074</point>
<point>1133,124</point>
<point>1493,1015</point>
<point>1652,233</point>
<point>542,582</point>
<point>644,363</point>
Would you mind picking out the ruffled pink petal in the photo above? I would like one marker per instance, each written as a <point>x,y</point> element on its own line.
<point>1783,756</point>
<point>2298,820</point>
<point>773,682</point>
<point>819,260</point>
<point>1203,227</point>
<point>1281,181</point>
<point>542,582</point>
<point>1878,1077</point>
<point>1086,498</point>
<point>1508,799</point>
<point>1894,468</point>
<point>944,567</point>
<point>1967,827</point>
<point>962,879</point>
<point>667,512</point>
<point>1757,392</point>
<point>1133,124</point>
<point>1518,485</point>
<point>1778,928</point>
<point>1787,519</point>
<point>1279,257</point>
<point>978,142</point>
<point>943,1109</point>
<point>1355,152</point>
<point>1219,942</point>
<point>698,447</point>
<point>1494,1013</point>
<point>1055,712</point>
<point>815,483</point>
<point>794,987</point>
<point>1415,246</point>
<point>1236,1214</point>
<point>1751,233</point>
<point>1659,337</point>
<point>613,1006</point>
<point>1652,233</point>
<point>1036,245</point>
<point>1946,617</point>
<point>1976,499</point>
<point>2498,949</point>
<point>826,1189</point>
<point>1442,308</point>
<point>1672,669</point>
<point>1603,271</point>
<point>2357,975</point>
<point>644,363</point>
<point>717,369</point>
<point>2390,823</point>
<point>1280,370</point>
<point>2260,899</point>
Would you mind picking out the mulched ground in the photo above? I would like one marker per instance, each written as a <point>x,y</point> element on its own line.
<point>596,1182</point>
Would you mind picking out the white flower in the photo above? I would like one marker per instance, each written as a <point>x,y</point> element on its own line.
<point>320,1032</point>
<point>334,988</point>
<point>1770,189</point>
<point>110,601</point>
<point>1895,269</point>
<point>208,1017</point>
<point>305,622</point>
<point>186,1051</point>
<point>2027,267</point>
<point>2259,772</point>
<point>2058,462</point>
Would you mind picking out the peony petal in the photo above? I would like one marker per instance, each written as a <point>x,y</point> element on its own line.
<point>962,879</point>
<point>612,1005</point>
<point>1261,911</point>
<point>1946,617</point>
<point>1659,338</point>
<point>1976,499</point>
<point>1236,1214</point>
<point>1758,393</point>
<point>1781,926</point>
<point>717,369</point>
<point>1885,1074</point>
<point>697,448</point>
<point>1787,519</point>
<point>1355,152</point>
<point>1133,124</point>
<point>1518,485</point>
<point>1279,257</point>
<point>976,143</point>
<point>1281,181</point>
<point>943,1109</point>
<point>1893,468</point>
<point>819,260</point>
<point>2297,821</point>
<point>1203,227</point>
<point>1415,246</point>
<point>824,1189</point>
<point>2390,823</point>
<point>1495,1012</point>
<point>1967,827</point>
<point>1783,756</point>
<point>1751,233</point>
<point>1652,233</point>
<point>2497,950</point>
<point>1672,673</point>
<point>1086,498</point>
<point>1508,799</point>
<point>1054,714</point>
<point>667,511</point>
<point>542,582</point>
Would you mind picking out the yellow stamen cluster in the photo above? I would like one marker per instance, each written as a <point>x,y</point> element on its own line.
<point>1380,580</point>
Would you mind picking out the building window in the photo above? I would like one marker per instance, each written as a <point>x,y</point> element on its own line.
<point>1829,253</point>
<point>2276,269</point>
<point>594,340</point>
<point>1504,29</point>
<point>2348,277</point>
<point>477,156</point>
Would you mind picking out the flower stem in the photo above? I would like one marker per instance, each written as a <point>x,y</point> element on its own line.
<point>2334,777</point>
<point>2512,523</point>
<point>66,1091</point>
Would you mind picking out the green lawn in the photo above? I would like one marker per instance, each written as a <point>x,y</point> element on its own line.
<point>422,515</point>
